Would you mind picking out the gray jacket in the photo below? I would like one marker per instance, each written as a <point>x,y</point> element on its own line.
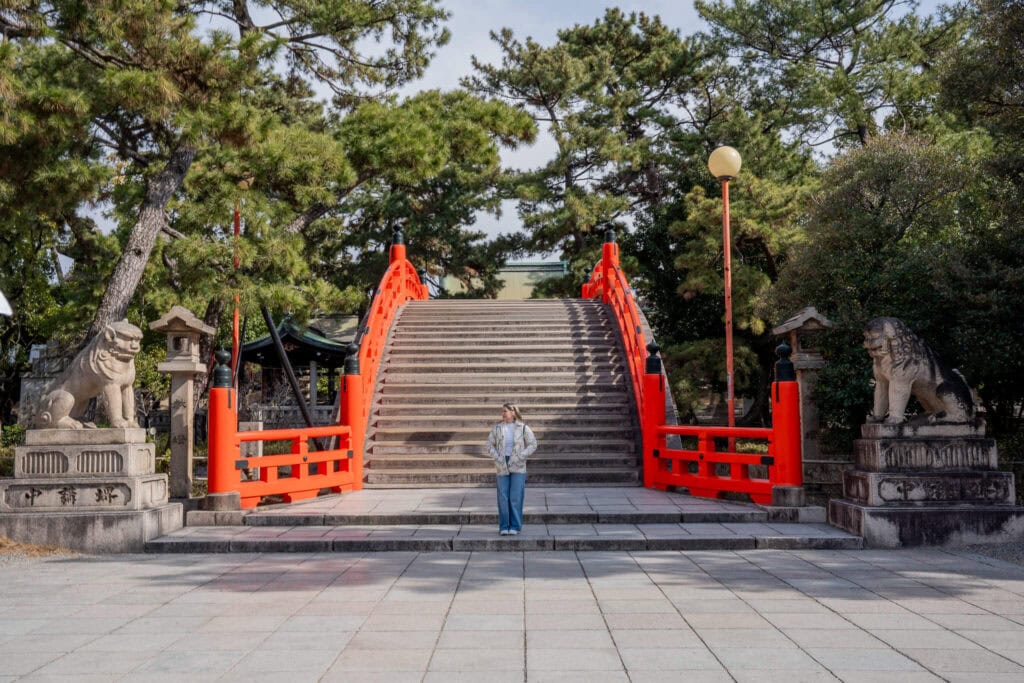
<point>523,445</point>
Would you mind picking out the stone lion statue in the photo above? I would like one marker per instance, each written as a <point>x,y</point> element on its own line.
<point>106,367</point>
<point>904,365</point>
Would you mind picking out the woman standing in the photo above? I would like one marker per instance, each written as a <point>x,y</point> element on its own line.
<point>511,442</point>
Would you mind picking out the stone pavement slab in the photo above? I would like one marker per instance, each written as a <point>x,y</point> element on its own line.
<point>535,537</point>
<point>576,505</point>
<point>764,615</point>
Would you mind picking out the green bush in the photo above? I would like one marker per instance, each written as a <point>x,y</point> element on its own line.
<point>10,436</point>
<point>1011,459</point>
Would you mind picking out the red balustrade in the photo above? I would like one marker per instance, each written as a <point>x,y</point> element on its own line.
<point>297,475</point>
<point>400,283</point>
<point>335,461</point>
<point>707,470</point>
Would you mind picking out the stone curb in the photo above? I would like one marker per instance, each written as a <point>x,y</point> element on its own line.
<point>299,519</point>
<point>526,543</point>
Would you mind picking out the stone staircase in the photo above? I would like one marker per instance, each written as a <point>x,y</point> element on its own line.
<point>450,364</point>
<point>436,519</point>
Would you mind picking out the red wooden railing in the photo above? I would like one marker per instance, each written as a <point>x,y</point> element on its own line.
<point>399,284</point>
<point>707,470</point>
<point>336,460</point>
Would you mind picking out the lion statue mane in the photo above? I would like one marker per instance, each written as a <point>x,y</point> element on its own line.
<point>903,365</point>
<point>105,367</point>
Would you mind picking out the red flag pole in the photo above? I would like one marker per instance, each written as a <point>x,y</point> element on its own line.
<point>235,336</point>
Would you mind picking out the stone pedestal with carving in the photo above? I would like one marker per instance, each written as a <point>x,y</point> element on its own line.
<point>93,490</point>
<point>927,485</point>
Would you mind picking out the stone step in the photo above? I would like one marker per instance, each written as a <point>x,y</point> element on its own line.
<point>462,421</point>
<point>522,380</point>
<point>477,486</point>
<point>497,341</point>
<point>298,517</point>
<point>540,537</point>
<point>504,325</point>
<point>544,434</point>
<point>448,359</point>
<point>458,366</point>
<point>501,392</point>
<point>485,475</point>
<point>478,354</point>
<point>454,347</point>
<point>457,462</point>
<point>445,410</point>
<point>567,305</point>
<point>487,400</point>
<point>523,328</point>
<point>478,446</point>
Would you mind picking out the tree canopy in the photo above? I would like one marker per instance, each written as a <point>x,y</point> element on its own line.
<point>883,166</point>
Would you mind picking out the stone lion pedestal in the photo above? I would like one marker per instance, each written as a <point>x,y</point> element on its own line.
<point>93,490</point>
<point>937,484</point>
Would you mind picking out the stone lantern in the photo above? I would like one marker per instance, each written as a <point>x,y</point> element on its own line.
<point>808,363</point>
<point>183,330</point>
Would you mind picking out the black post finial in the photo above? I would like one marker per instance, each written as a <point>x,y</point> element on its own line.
<point>653,361</point>
<point>222,373</point>
<point>352,360</point>
<point>399,237</point>
<point>609,235</point>
<point>784,369</point>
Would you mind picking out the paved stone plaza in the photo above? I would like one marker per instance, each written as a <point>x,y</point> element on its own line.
<point>764,615</point>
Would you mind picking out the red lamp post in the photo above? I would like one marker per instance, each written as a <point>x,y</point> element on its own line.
<point>724,163</point>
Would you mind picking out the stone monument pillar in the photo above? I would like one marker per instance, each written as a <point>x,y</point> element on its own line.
<point>932,480</point>
<point>183,330</point>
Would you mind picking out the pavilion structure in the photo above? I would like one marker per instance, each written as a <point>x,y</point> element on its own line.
<point>310,352</point>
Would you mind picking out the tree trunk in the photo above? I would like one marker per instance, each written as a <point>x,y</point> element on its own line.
<point>214,311</point>
<point>306,218</point>
<point>759,414</point>
<point>152,219</point>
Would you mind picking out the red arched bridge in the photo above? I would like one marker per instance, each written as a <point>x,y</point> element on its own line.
<point>425,379</point>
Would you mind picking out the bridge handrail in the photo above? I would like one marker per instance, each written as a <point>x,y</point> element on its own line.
<point>697,470</point>
<point>399,284</point>
<point>340,467</point>
<point>608,284</point>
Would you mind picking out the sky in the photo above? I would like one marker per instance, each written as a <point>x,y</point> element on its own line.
<point>471,23</point>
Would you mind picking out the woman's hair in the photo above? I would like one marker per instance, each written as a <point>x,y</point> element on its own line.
<point>515,410</point>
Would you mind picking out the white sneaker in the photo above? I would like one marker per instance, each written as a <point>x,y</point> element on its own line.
<point>505,532</point>
<point>513,532</point>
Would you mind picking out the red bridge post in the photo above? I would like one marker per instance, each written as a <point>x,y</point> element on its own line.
<point>352,411</point>
<point>652,407</point>
<point>788,479</point>
<point>609,262</point>
<point>223,450</point>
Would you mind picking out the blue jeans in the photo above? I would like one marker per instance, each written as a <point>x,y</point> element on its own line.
<point>511,490</point>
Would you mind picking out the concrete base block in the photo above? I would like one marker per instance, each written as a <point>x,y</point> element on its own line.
<point>84,437</point>
<point>214,518</point>
<point>788,496</point>
<point>221,502</point>
<point>936,454</point>
<point>78,460</point>
<point>83,494</point>
<point>804,514</point>
<point>93,532</point>
<point>934,525</point>
<point>883,488</point>
<point>919,430</point>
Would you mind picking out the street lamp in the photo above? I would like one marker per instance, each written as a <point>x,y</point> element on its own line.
<point>724,163</point>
